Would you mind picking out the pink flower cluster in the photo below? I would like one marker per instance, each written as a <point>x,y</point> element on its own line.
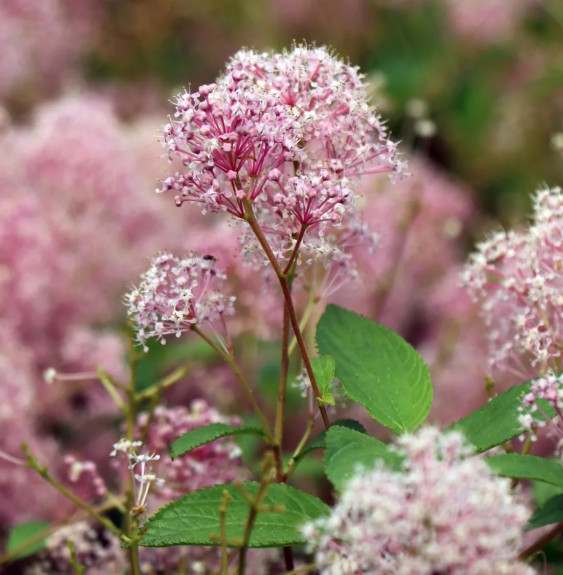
<point>288,133</point>
<point>208,465</point>
<point>175,295</point>
<point>518,278</point>
<point>444,513</point>
<point>548,387</point>
<point>97,550</point>
<point>40,43</point>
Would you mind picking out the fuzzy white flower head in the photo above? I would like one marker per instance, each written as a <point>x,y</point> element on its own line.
<point>445,512</point>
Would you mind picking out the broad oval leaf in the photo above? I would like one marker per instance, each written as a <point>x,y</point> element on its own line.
<point>347,449</point>
<point>377,368</point>
<point>497,421</point>
<point>519,466</point>
<point>202,435</point>
<point>319,442</point>
<point>194,519</point>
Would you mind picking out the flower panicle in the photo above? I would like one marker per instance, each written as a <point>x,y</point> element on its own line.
<point>176,294</point>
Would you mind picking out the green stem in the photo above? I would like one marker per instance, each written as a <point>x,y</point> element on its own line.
<point>223,527</point>
<point>131,527</point>
<point>311,303</point>
<point>229,358</point>
<point>250,520</point>
<point>165,382</point>
<point>302,570</point>
<point>43,472</point>
<point>284,368</point>
<point>293,460</point>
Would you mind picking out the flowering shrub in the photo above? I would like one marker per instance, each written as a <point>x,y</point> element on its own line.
<point>286,153</point>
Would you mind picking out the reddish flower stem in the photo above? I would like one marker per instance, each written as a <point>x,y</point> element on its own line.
<point>284,283</point>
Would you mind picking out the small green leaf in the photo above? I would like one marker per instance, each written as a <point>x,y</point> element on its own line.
<point>327,398</point>
<point>527,467</point>
<point>319,442</point>
<point>347,449</point>
<point>24,532</point>
<point>550,512</point>
<point>324,369</point>
<point>377,368</point>
<point>202,435</point>
<point>497,421</point>
<point>194,519</point>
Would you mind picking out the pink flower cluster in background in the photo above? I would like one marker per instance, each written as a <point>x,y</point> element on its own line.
<point>41,43</point>
<point>517,278</point>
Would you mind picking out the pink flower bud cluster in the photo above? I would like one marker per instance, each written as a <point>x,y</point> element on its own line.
<point>518,277</point>
<point>175,295</point>
<point>84,479</point>
<point>548,387</point>
<point>445,512</point>
<point>290,133</point>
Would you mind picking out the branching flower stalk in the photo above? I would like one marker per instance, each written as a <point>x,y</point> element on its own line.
<point>284,282</point>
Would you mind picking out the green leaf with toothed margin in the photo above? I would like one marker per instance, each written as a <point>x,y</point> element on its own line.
<point>202,435</point>
<point>194,519</point>
<point>518,466</point>
<point>377,368</point>
<point>497,421</point>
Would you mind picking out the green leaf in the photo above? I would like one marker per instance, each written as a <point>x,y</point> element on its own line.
<point>319,442</point>
<point>377,368</point>
<point>497,421</point>
<point>527,467</point>
<point>24,532</point>
<point>194,519</point>
<point>550,512</point>
<point>202,435</point>
<point>324,369</point>
<point>347,449</point>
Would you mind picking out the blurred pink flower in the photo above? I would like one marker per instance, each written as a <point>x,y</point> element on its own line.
<point>516,277</point>
<point>445,512</point>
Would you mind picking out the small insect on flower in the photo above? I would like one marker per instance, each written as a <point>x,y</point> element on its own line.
<point>175,295</point>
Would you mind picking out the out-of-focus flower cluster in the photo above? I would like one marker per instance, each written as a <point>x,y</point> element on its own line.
<point>69,183</point>
<point>518,278</point>
<point>548,387</point>
<point>445,512</point>
<point>97,550</point>
<point>41,43</point>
